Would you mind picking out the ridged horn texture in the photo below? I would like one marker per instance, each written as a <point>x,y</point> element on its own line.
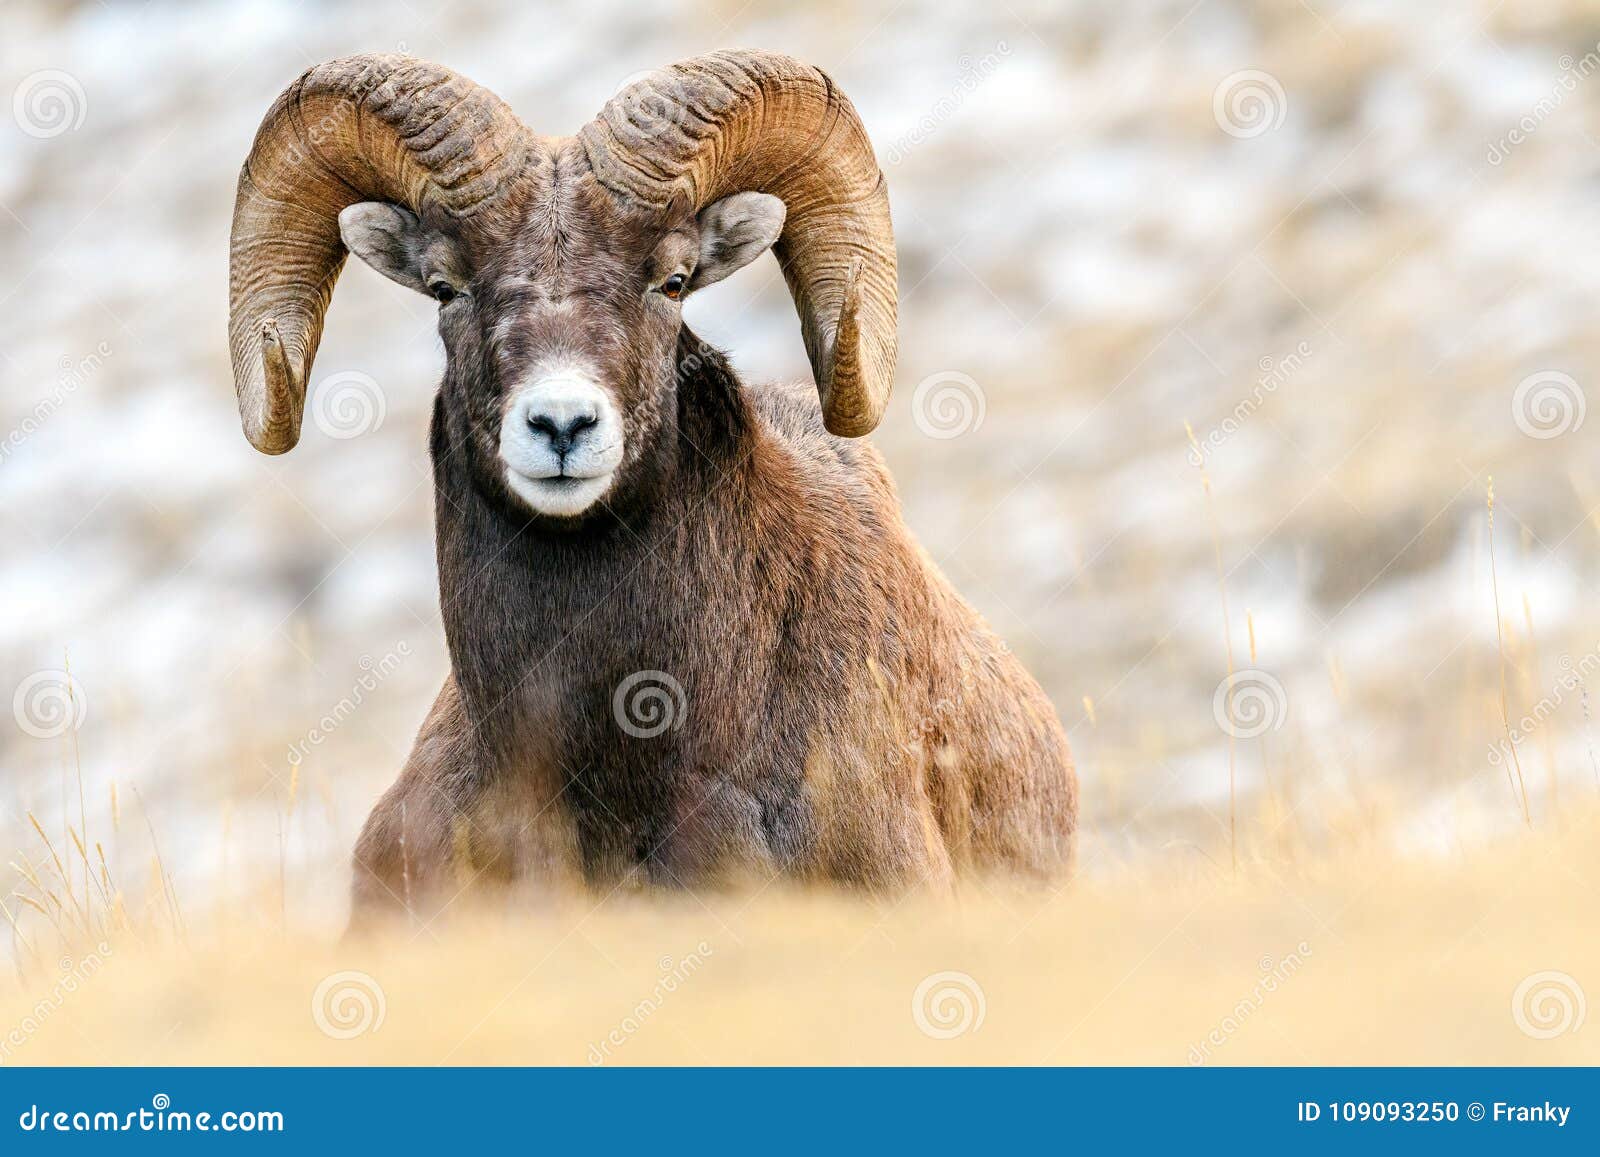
<point>365,128</point>
<point>732,122</point>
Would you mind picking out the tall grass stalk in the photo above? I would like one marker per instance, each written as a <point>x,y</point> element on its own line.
<point>1227,638</point>
<point>1520,787</point>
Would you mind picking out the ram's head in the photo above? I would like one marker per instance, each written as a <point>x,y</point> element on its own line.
<point>559,264</point>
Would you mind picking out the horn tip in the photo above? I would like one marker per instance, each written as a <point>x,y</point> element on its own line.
<point>275,361</point>
<point>276,428</point>
<point>849,411</point>
<point>265,445</point>
<point>853,425</point>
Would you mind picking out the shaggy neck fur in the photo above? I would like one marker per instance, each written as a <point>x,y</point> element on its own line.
<point>545,620</point>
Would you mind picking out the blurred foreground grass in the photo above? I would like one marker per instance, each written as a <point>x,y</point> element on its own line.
<point>1354,957</point>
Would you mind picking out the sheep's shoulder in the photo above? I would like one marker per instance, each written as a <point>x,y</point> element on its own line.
<point>791,418</point>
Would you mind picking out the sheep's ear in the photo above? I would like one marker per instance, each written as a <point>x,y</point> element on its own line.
<point>734,232</point>
<point>388,238</point>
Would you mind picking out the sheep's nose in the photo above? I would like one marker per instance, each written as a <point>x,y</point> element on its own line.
<point>563,429</point>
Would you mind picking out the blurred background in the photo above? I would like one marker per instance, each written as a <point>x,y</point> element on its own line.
<point>1348,243</point>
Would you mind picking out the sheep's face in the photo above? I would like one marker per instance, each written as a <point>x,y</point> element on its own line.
<point>561,327</point>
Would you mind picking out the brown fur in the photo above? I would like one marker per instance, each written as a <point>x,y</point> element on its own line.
<point>846,716</point>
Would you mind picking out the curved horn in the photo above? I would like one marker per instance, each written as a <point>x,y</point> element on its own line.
<point>732,122</point>
<point>388,128</point>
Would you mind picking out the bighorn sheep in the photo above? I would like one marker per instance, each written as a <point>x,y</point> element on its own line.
<point>691,640</point>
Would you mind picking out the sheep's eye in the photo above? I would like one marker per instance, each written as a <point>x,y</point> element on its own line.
<point>443,292</point>
<point>673,286</point>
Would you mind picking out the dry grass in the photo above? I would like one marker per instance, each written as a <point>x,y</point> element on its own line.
<point>1373,959</point>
